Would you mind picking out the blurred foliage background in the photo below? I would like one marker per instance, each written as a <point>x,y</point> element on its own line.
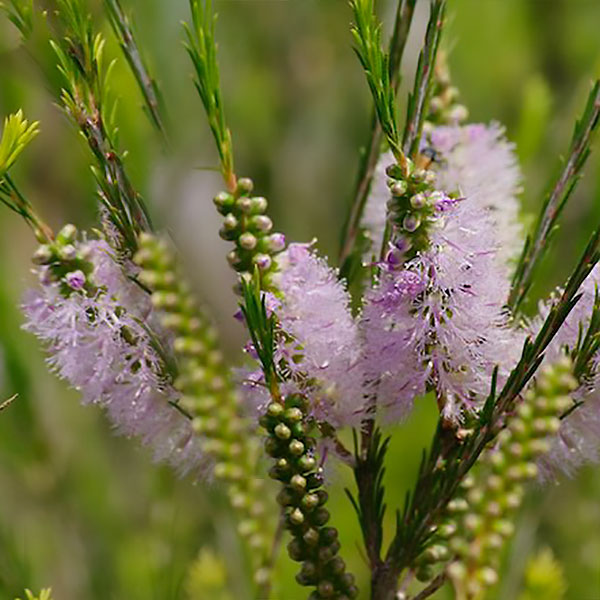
<point>88,513</point>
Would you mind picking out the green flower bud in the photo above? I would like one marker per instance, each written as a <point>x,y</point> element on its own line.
<point>282,431</point>
<point>244,186</point>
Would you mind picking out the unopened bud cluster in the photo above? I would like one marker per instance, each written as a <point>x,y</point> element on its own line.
<point>250,229</point>
<point>413,208</point>
<point>479,519</point>
<point>65,261</point>
<point>313,544</point>
<point>207,395</point>
<point>444,108</point>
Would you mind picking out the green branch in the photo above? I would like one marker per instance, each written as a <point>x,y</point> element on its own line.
<point>366,32</point>
<point>349,253</point>
<point>202,49</point>
<point>419,98</point>
<point>124,32</point>
<point>450,459</point>
<point>537,243</point>
<point>87,101</point>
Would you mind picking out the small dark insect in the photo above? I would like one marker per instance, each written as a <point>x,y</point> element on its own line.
<point>428,156</point>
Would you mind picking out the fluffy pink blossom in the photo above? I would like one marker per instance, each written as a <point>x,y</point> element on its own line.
<point>440,322</point>
<point>474,160</point>
<point>314,309</point>
<point>478,162</point>
<point>98,344</point>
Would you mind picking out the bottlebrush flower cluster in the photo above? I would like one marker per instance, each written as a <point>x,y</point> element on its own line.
<point>434,321</point>
<point>94,321</point>
<point>434,315</point>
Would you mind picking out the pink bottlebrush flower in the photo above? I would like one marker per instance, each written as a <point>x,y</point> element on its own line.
<point>315,311</point>
<point>394,365</point>
<point>475,161</point>
<point>478,162</point>
<point>99,345</point>
<point>440,321</point>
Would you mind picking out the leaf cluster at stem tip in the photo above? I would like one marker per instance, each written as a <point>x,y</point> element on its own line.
<point>201,47</point>
<point>366,32</point>
<point>16,135</point>
<point>260,324</point>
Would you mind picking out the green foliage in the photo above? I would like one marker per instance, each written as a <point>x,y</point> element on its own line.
<point>87,100</point>
<point>544,578</point>
<point>419,98</point>
<point>16,135</point>
<point>366,32</point>
<point>123,30</point>
<point>209,398</point>
<point>369,502</point>
<point>261,326</point>
<point>202,49</point>
<point>45,594</point>
<point>20,13</point>
<point>354,241</point>
<point>480,518</point>
<point>555,201</point>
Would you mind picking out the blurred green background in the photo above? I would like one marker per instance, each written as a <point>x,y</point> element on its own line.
<point>88,513</point>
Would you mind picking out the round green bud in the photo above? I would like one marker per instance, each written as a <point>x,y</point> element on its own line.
<point>275,409</point>
<point>285,497</point>
<point>503,527</point>
<point>67,234</point>
<point>262,223</point>
<point>457,571</point>
<point>247,241</point>
<point>310,501</point>
<point>337,565</point>
<point>262,576</point>
<point>282,431</point>
<point>296,517</point>
<point>320,516</point>
<point>473,523</point>
<point>293,415</point>
<point>43,255</point>
<point>223,200</point>
<point>307,463</point>
<point>311,536</point>
<point>425,573</point>
<point>296,550</point>
<point>447,530</point>
<point>487,576</point>
<point>244,205</point>
<point>411,223</point>
<point>475,496</point>
<point>298,482</point>
<point>230,222</point>
<point>296,447</point>
<point>326,589</point>
<point>244,185</point>
<point>398,188</point>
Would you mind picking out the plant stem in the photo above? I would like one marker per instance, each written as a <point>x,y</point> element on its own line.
<point>556,199</point>
<point>404,15</point>
<point>450,460</point>
<point>124,33</point>
<point>433,587</point>
<point>419,99</point>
